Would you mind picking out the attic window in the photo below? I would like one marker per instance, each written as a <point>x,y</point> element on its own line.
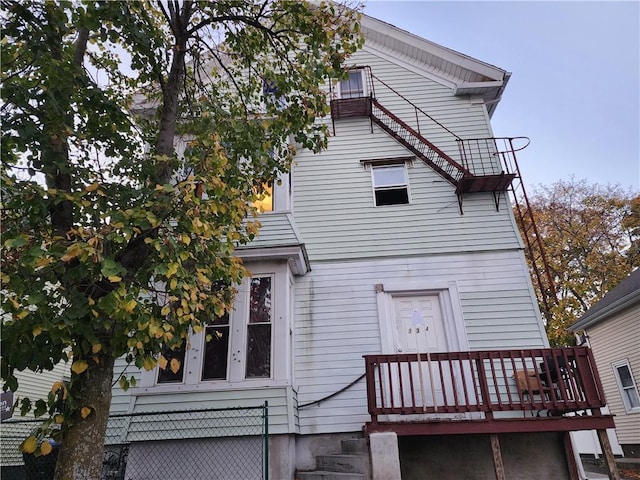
<point>390,185</point>
<point>353,85</point>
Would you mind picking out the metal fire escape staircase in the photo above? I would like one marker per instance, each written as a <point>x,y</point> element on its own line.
<point>484,165</point>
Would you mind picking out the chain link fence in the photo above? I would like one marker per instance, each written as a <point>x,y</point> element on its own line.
<point>212,444</point>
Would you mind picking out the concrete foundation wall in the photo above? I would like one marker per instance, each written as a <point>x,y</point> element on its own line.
<point>528,456</point>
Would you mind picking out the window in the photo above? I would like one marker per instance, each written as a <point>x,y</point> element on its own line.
<point>259,329</point>
<point>390,185</point>
<point>171,369</point>
<point>353,86</point>
<point>252,343</point>
<point>216,350</point>
<point>264,203</point>
<point>627,386</point>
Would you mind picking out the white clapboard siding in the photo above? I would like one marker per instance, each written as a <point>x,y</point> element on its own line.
<point>336,321</point>
<point>120,399</point>
<point>37,385</point>
<point>333,195</point>
<point>612,340</point>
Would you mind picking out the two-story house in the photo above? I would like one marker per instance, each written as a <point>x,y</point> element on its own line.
<point>389,303</point>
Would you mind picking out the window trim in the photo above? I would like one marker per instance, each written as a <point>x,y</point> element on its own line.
<point>622,389</point>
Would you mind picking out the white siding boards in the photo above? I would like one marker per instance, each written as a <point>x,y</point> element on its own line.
<point>333,199</point>
<point>337,321</point>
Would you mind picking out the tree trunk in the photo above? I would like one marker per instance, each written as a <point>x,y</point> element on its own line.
<point>82,448</point>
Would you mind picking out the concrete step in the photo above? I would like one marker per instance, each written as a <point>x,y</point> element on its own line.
<point>355,446</point>
<point>342,463</point>
<point>324,475</point>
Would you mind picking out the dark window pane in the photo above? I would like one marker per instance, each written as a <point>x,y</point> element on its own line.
<point>258,351</point>
<point>260,300</point>
<point>216,350</point>
<point>625,376</point>
<point>166,375</point>
<point>392,196</point>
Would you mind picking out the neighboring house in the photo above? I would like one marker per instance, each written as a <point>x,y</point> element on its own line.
<point>612,327</point>
<point>398,240</point>
<point>15,428</point>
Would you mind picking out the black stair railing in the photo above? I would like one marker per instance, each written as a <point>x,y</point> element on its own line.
<point>416,143</point>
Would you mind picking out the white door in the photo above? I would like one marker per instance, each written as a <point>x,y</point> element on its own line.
<point>418,324</point>
<point>418,327</point>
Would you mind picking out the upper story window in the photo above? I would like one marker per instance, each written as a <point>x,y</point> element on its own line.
<point>353,86</point>
<point>390,184</point>
<point>265,201</point>
<point>627,386</point>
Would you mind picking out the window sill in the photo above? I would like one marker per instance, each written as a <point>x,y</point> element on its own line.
<point>221,386</point>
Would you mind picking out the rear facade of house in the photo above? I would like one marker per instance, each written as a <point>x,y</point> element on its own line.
<point>389,304</point>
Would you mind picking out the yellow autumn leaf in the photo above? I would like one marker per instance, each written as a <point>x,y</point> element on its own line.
<point>57,386</point>
<point>85,412</point>
<point>149,363</point>
<point>172,269</point>
<point>114,278</point>
<point>166,310</point>
<point>72,252</point>
<point>174,365</point>
<point>130,305</point>
<point>21,314</point>
<point>186,239</point>
<point>162,362</point>
<point>44,261</point>
<point>37,331</point>
<point>79,366</point>
<point>96,347</point>
<point>29,445</point>
<point>58,419</point>
<point>45,448</point>
<point>92,187</point>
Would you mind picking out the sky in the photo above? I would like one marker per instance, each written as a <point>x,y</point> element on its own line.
<point>575,84</point>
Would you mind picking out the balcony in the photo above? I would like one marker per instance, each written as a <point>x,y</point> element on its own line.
<point>501,391</point>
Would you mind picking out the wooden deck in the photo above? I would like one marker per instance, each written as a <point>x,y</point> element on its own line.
<point>501,391</point>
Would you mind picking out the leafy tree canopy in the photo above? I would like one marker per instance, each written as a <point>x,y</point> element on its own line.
<point>591,237</point>
<point>118,230</point>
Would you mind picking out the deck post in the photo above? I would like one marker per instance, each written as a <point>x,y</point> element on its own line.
<point>497,457</point>
<point>607,453</point>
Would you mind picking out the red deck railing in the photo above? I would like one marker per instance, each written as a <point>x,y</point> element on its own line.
<point>547,382</point>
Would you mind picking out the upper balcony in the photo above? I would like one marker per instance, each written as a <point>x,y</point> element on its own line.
<point>501,391</point>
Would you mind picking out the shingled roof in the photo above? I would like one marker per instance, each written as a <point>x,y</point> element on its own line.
<point>625,294</point>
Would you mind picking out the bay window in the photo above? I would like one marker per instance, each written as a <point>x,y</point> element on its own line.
<point>251,344</point>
